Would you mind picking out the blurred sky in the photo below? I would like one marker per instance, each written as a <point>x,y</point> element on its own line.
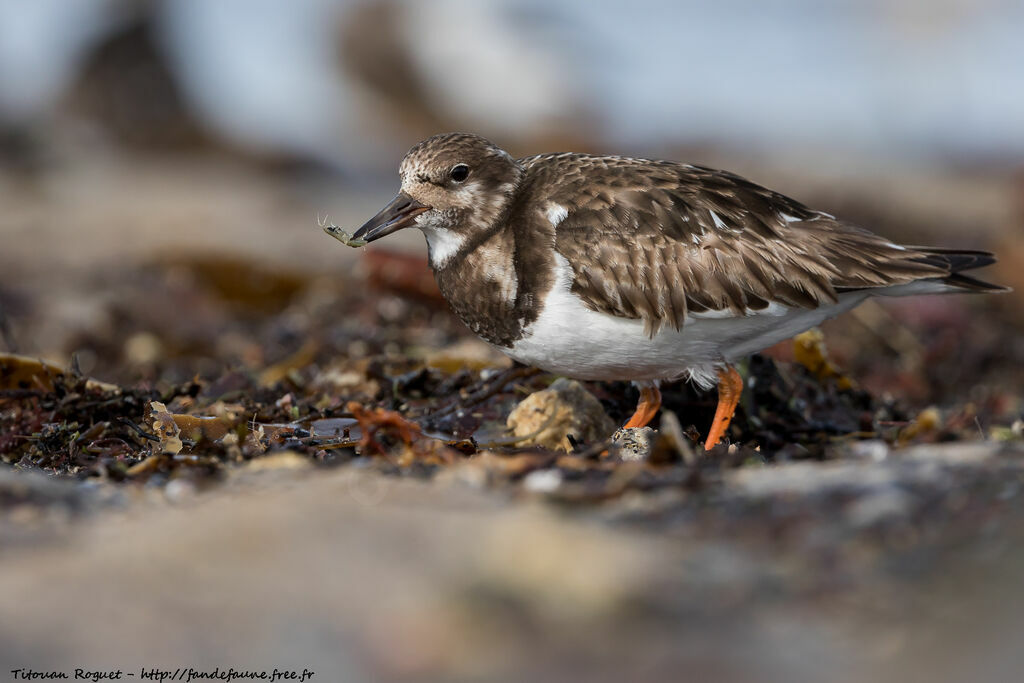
<point>896,78</point>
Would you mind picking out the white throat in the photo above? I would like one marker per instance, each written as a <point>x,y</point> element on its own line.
<point>442,244</point>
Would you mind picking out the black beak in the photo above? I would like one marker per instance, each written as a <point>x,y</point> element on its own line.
<point>399,213</point>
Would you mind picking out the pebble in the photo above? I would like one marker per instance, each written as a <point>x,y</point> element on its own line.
<point>633,444</point>
<point>565,408</point>
<point>543,481</point>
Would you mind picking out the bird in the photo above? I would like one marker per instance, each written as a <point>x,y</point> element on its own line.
<point>614,268</point>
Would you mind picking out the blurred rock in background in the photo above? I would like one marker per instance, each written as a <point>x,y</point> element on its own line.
<point>356,81</point>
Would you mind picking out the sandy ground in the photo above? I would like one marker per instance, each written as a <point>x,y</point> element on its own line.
<point>361,577</point>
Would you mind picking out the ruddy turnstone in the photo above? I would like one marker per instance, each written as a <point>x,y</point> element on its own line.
<point>615,268</point>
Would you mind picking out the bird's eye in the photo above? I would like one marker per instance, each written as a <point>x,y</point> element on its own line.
<point>459,172</point>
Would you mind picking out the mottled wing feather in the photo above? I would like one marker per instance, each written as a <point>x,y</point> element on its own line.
<point>656,240</point>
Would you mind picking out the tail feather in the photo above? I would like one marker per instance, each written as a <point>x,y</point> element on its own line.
<point>973,284</point>
<point>954,261</point>
<point>944,273</point>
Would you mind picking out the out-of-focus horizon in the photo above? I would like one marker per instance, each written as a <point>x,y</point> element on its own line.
<point>353,84</point>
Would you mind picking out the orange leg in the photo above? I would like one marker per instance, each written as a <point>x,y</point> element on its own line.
<point>647,408</point>
<point>730,386</point>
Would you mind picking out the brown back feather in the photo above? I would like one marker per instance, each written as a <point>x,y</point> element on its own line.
<point>654,240</point>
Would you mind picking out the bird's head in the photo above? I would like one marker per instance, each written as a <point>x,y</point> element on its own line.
<point>454,187</point>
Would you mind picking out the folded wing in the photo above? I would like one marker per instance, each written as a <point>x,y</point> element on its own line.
<point>659,241</point>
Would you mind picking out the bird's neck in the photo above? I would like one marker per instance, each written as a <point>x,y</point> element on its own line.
<point>481,282</point>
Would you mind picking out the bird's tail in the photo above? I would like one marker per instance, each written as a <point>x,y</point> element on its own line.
<point>955,261</point>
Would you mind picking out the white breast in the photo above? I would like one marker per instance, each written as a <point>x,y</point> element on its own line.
<point>570,339</point>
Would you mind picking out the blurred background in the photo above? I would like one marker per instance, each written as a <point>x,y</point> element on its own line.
<point>210,136</point>
<point>163,166</point>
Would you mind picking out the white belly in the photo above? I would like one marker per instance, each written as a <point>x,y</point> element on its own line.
<point>570,339</point>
